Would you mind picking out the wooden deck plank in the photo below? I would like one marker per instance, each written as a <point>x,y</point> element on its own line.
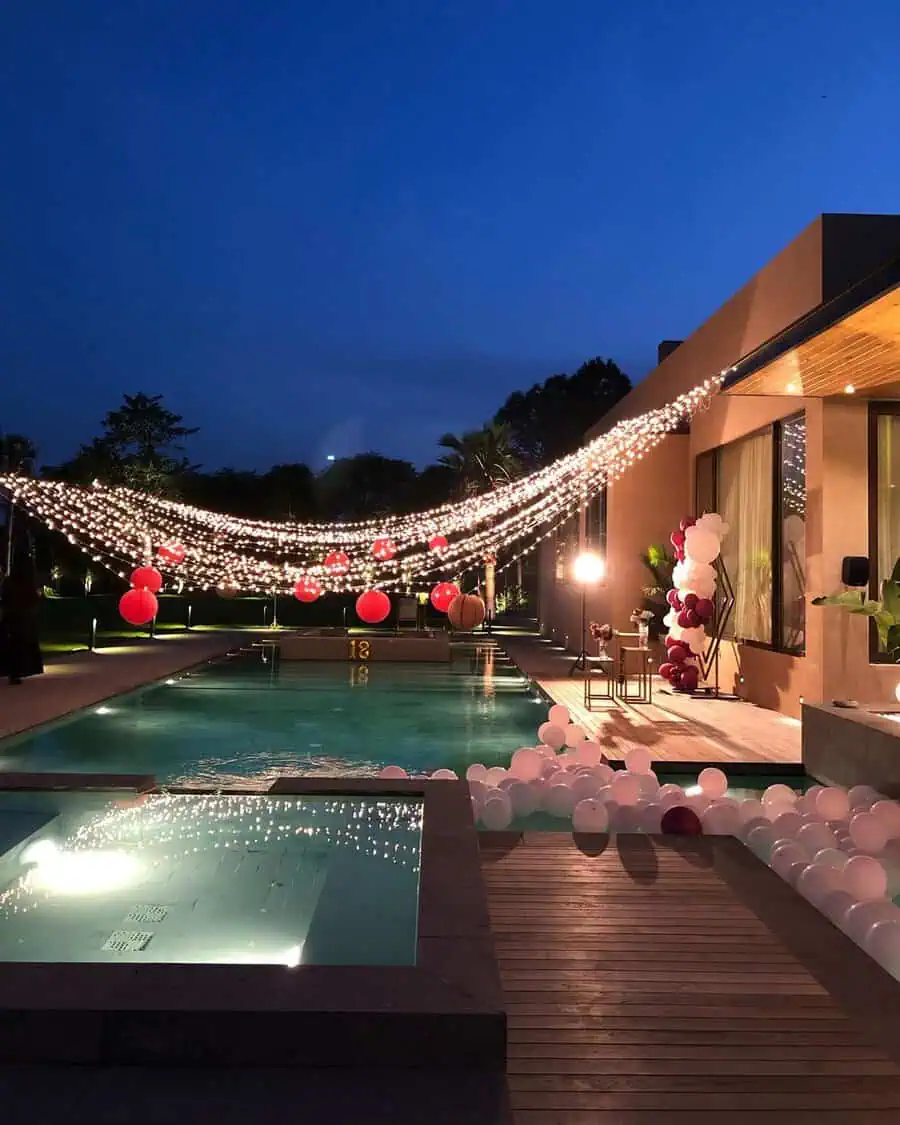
<point>740,733</point>
<point>638,984</point>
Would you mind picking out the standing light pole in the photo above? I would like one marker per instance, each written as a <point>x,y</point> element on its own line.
<point>588,569</point>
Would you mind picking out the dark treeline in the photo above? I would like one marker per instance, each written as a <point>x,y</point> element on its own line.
<point>143,445</point>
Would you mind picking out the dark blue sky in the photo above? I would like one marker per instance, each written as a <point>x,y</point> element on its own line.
<point>334,226</point>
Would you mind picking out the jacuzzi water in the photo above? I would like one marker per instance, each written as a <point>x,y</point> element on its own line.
<point>191,878</point>
<point>245,720</point>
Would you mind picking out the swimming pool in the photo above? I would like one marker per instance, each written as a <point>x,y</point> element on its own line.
<point>209,878</point>
<point>246,720</point>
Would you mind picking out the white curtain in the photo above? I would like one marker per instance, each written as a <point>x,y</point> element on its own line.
<point>888,494</point>
<point>745,503</point>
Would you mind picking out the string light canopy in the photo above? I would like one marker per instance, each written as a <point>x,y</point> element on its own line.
<point>199,549</point>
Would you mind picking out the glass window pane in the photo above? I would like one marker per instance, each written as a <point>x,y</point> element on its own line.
<point>706,482</point>
<point>793,533</point>
<point>888,496</point>
<point>595,522</point>
<point>745,503</point>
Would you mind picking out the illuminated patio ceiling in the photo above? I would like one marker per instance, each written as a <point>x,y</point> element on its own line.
<point>860,351</point>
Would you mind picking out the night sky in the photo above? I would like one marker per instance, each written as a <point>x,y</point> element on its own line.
<point>337,226</point>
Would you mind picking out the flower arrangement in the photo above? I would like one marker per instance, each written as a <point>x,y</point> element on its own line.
<point>602,633</point>
<point>641,616</point>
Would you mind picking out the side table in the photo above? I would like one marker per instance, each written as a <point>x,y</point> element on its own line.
<point>635,669</point>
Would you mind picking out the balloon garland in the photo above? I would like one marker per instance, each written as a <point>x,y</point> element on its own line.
<point>697,545</point>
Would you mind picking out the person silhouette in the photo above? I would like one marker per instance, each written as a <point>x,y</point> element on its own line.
<point>20,649</point>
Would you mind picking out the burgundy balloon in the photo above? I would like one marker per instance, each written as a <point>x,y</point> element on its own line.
<point>690,677</point>
<point>666,669</point>
<point>690,601</point>
<point>704,609</point>
<point>687,522</point>
<point>681,821</point>
<point>673,599</point>
<point>670,640</point>
<point>684,619</point>
<point>678,654</point>
<point>693,618</point>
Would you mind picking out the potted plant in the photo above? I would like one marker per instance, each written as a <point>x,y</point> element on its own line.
<point>660,562</point>
<point>885,613</point>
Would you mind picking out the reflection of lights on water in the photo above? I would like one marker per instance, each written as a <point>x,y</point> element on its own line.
<point>77,873</point>
<point>170,682</point>
<point>693,791</point>
<point>290,958</point>
<point>103,711</point>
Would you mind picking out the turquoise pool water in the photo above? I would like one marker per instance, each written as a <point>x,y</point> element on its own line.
<point>243,720</point>
<point>197,878</point>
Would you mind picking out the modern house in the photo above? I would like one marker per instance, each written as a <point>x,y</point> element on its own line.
<point>799,451</point>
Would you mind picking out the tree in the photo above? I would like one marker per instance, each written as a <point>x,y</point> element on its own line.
<point>365,485</point>
<point>481,459</point>
<point>17,453</point>
<point>550,420</point>
<point>139,447</point>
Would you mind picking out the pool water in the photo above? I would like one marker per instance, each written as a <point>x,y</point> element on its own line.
<point>246,720</point>
<point>197,878</point>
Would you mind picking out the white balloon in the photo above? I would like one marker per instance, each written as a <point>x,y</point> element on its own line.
<point>625,788</point>
<point>524,798</point>
<point>720,820</point>
<point>779,794</point>
<point>788,824</point>
<point>868,833</point>
<point>865,878</point>
<point>860,918</point>
<point>494,776</point>
<point>589,815</point>
<point>476,772</point>
<point>586,786</point>
<point>836,905</point>
<point>559,800</point>
<point>496,813</point>
<point>883,943</point>
<point>818,881</point>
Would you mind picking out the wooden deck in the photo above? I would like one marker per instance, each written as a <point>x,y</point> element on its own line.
<point>673,728</point>
<point>662,980</point>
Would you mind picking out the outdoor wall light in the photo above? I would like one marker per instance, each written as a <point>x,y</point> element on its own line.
<point>849,389</point>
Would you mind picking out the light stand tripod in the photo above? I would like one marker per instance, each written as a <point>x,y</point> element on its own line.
<point>581,660</point>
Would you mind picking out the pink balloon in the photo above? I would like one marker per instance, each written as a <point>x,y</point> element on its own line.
<point>394,773</point>
<point>523,797</point>
<point>713,782</point>
<point>494,776</point>
<point>720,820</point>
<point>862,796</point>
<point>638,760</point>
<point>625,788</point>
<point>832,803</point>
<point>867,832</point>
<point>865,878</point>
<point>836,906</point>
<point>444,775</point>
<point>526,764</point>
<point>496,813</point>
<point>552,735</point>
<point>888,812</point>
<point>784,855</point>
<point>559,800</point>
<point>815,836</point>
<point>589,752</point>
<point>476,772</point>
<point>787,824</point>
<point>558,716</point>
<point>778,795</point>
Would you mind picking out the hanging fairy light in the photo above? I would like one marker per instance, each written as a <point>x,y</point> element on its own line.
<point>118,527</point>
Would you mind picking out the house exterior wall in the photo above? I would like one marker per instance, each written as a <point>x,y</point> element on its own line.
<point>646,503</point>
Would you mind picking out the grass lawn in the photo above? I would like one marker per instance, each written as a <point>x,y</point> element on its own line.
<point>56,644</point>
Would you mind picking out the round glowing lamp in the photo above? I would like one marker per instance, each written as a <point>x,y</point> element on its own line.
<point>588,567</point>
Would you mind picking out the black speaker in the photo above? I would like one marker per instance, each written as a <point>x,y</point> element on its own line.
<point>855,571</point>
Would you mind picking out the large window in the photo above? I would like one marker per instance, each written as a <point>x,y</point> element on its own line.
<point>744,481</point>
<point>758,485</point>
<point>884,501</point>
<point>595,523</point>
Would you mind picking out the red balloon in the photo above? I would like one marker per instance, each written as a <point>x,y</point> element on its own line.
<point>442,596</point>
<point>384,549</point>
<point>438,544</point>
<point>373,606</point>
<point>172,553</point>
<point>147,578</point>
<point>337,563</point>
<point>677,539</point>
<point>687,522</point>
<point>665,670</point>
<point>138,607</point>
<point>678,653</point>
<point>308,589</point>
<point>465,612</point>
<point>704,609</point>
<point>680,820</point>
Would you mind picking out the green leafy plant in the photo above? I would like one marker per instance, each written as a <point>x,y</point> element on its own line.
<point>885,613</point>
<point>660,562</point>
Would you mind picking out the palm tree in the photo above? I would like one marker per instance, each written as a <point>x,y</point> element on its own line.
<point>481,459</point>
